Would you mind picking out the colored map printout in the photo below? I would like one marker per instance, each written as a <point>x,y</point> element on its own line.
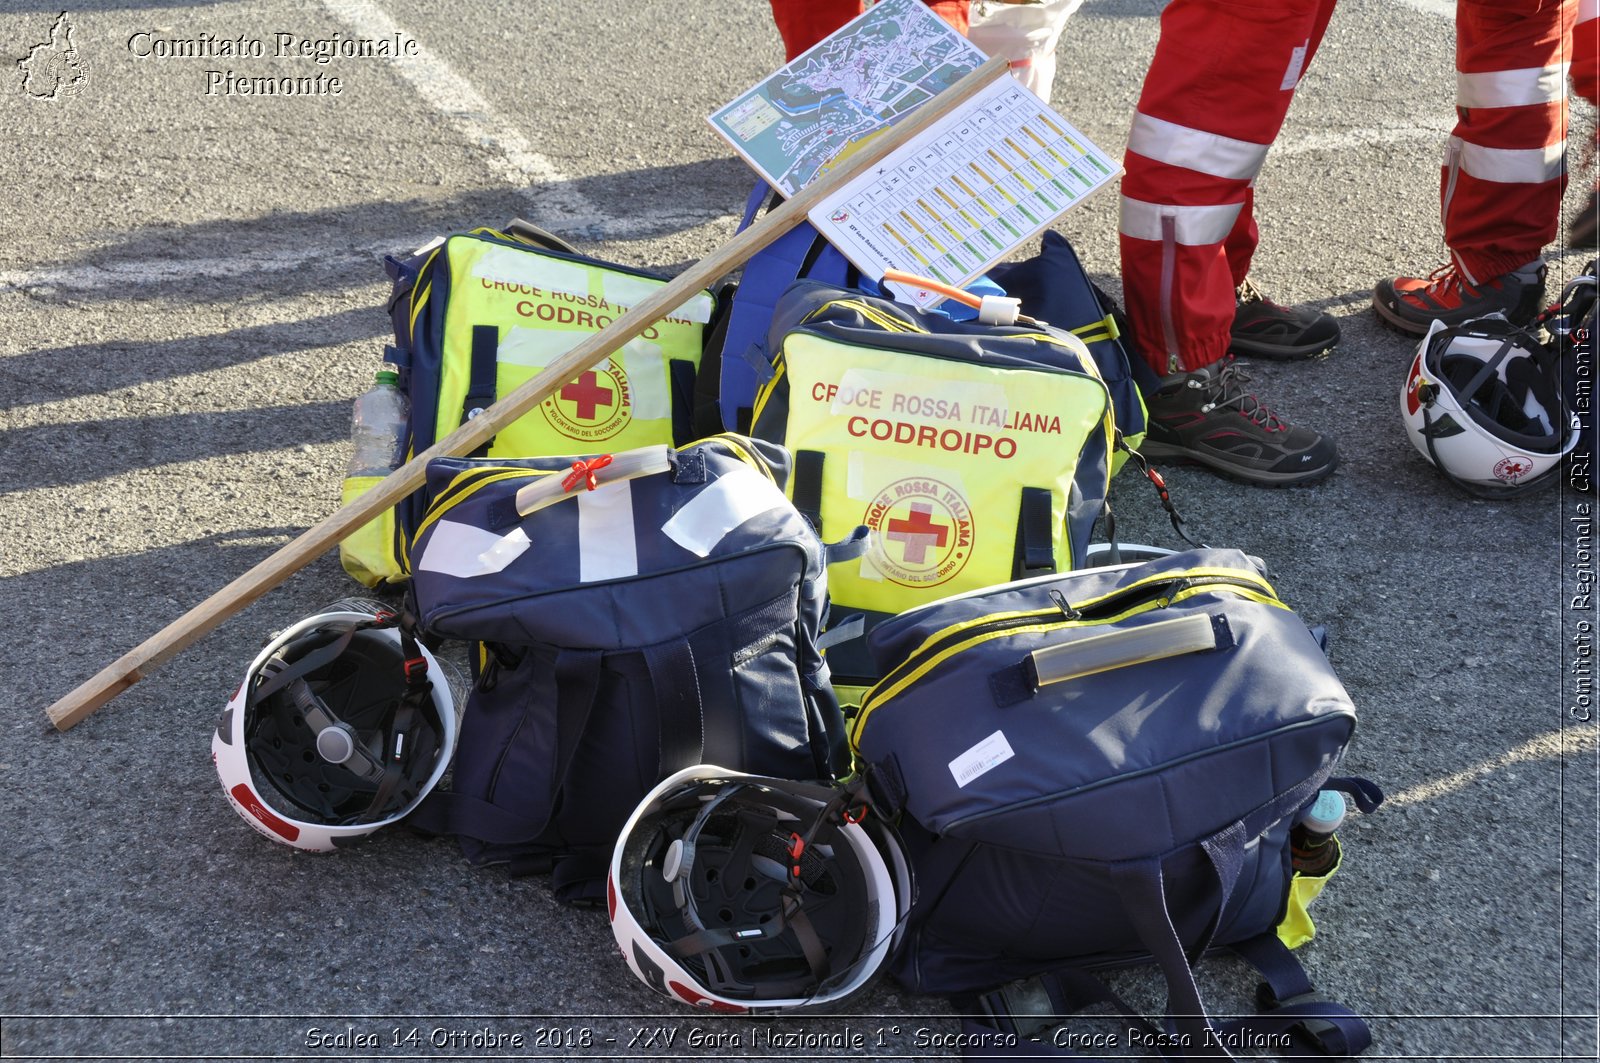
<point>865,76</point>
<point>965,192</point>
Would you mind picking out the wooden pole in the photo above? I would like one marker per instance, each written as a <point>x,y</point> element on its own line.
<point>293,556</point>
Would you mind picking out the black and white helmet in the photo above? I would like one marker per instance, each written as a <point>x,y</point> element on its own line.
<point>739,893</point>
<point>1482,403</point>
<point>343,723</point>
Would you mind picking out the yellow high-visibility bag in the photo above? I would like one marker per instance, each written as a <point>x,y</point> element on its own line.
<point>478,314</point>
<point>975,454</point>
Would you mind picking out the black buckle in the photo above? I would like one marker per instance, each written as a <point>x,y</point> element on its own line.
<point>1312,1027</point>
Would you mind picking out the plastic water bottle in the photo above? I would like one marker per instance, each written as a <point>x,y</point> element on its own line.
<point>378,427</point>
<point>1312,850</point>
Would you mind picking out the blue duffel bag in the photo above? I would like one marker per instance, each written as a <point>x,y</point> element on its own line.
<point>1103,768</point>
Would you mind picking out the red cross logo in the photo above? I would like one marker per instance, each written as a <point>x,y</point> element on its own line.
<point>918,533</point>
<point>588,394</point>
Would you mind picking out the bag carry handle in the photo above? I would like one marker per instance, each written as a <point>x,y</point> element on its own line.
<point>1198,633</point>
<point>533,234</point>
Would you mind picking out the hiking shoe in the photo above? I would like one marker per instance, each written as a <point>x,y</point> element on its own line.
<point>1585,224</point>
<point>1264,329</point>
<point>1412,304</point>
<point>1208,417</point>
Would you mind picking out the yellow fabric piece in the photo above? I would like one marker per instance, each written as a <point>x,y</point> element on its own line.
<point>368,554</point>
<point>932,454</point>
<point>1297,927</point>
<point>543,306</point>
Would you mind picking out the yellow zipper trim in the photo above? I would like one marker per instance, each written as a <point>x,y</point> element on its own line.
<point>445,502</point>
<point>420,297</point>
<point>763,393</point>
<point>872,698</point>
<point>1106,326</point>
<point>743,453</point>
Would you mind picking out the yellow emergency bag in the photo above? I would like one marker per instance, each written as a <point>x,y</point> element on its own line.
<point>478,314</point>
<point>976,454</point>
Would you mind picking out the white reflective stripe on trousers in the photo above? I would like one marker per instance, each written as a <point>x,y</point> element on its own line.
<point>1195,149</point>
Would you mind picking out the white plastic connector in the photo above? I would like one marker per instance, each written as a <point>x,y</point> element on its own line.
<point>999,310</point>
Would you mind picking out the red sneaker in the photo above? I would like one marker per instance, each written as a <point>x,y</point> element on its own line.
<point>1412,304</point>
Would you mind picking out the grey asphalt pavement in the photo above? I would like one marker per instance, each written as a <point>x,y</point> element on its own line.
<point>191,294</point>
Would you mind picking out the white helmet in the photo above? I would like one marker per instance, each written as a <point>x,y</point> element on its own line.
<point>1482,403</point>
<point>337,729</point>
<point>739,893</point>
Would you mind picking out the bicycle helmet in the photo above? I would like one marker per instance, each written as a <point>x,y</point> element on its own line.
<point>739,893</point>
<point>1481,403</point>
<point>337,729</point>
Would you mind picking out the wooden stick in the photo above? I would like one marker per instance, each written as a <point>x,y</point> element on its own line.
<point>289,559</point>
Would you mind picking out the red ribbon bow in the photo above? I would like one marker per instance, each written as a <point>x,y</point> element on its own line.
<point>583,472</point>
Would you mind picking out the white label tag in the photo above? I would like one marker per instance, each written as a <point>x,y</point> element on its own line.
<point>987,754</point>
<point>1297,66</point>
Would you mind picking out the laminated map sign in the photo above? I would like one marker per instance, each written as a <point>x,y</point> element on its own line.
<point>863,77</point>
<point>963,195</point>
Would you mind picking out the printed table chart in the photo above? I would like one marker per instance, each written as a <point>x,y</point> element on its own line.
<point>965,193</point>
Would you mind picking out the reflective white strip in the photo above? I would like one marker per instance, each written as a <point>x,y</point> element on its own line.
<point>1195,149</point>
<point>510,266</point>
<point>1587,9</point>
<point>1511,166</point>
<point>710,515</point>
<point>1527,87</point>
<point>606,548</point>
<point>649,387</point>
<point>464,551</point>
<point>625,290</point>
<point>537,348</point>
<point>1193,226</point>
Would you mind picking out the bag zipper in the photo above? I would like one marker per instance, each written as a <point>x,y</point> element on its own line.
<point>469,482</point>
<point>1131,600</point>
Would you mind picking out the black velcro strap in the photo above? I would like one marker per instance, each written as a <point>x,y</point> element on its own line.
<point>808,486</point>
<point>1035,549</point>
<point>481,385</point>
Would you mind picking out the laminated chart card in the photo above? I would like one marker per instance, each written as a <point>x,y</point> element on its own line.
<point>966,192</point>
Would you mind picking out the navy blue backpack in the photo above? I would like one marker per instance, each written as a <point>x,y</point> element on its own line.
<point>627,630</point>
<point>1102,768</point>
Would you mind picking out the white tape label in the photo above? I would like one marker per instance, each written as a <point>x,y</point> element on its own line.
<point>464,551</point>
<point>981,758</point>
<point>701,524</point>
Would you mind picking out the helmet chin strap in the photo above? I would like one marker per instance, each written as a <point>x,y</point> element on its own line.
<point>336,741</point>
<point>1507,334</point>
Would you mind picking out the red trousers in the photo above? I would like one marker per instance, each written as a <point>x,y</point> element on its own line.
<point>803,23</point>
<point>1219,84</point>
<point>1504,170</point>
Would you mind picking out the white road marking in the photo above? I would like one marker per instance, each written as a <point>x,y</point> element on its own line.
<point>1441,8</point>
<point>1352,140</point>
<point>514,159</point>
<point>130,274</point>
<point>1567,742</point>
<point>454,97</point>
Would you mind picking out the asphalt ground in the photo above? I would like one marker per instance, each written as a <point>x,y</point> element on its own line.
<point>191,294</point>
